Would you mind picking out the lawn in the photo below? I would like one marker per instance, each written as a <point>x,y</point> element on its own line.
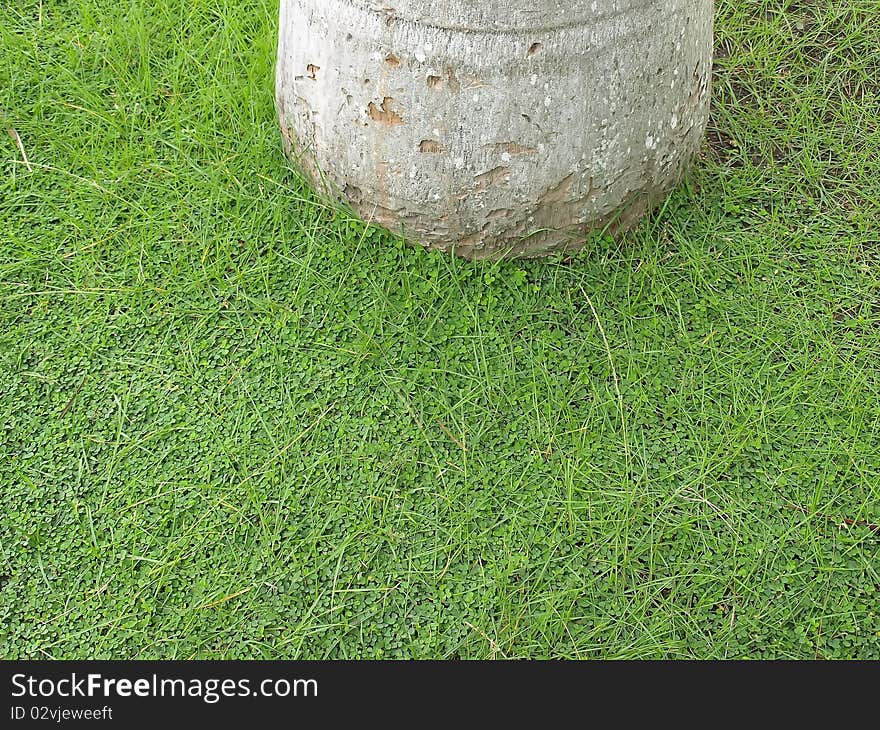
<point>236,423</point>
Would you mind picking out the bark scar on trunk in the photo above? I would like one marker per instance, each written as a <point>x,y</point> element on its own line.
<point>384,113</point>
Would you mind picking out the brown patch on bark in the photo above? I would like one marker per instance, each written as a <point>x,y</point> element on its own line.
<point>559,192</point>
<point>384,113</point>
<point>493,177</point>
<point>392,60</point>
<point>313,71</point>
<point>514,148</point>
<point>431,146</point>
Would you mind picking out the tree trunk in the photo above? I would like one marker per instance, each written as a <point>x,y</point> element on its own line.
<point>495,128</point>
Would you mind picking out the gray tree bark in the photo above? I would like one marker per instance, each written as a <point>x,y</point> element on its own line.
<point>495,128</point>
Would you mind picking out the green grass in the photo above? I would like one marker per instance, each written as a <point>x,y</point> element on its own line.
<point>236,423</point>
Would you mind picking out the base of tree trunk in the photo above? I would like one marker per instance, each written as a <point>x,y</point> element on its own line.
<point>493,129</point>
